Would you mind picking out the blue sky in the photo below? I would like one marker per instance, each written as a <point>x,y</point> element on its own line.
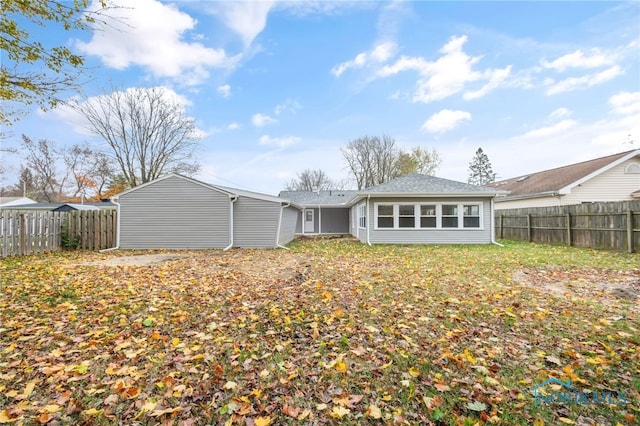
<point>277,87</point>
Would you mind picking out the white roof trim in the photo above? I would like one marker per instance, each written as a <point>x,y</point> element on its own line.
<point>567,189</point>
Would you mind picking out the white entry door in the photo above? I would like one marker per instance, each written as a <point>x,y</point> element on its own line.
<point>308,221</point>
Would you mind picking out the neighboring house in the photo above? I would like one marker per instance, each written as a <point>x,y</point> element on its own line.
<point>323,212</point>
<point>611,178</point>
<point>178,212</point>
<point>412,209</point>
<point>14,201</point>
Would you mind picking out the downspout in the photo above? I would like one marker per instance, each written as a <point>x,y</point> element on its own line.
<point>117,231</point>
<point>493,225</point>
<point>233,199</point>
<point>368,222</point>
<point>278,245</point>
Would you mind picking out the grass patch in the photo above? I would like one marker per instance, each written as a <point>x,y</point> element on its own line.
<point>351,335</point>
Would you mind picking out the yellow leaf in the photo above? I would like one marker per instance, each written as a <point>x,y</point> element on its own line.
<point>52,408</point>
<point>230,385</point>
<point>10,348</point>
<point>469,357</point>
<point>264,373</point>
<point>175,341</point>
<point>321,407</point>
<point>28,390</point>
<point>91,412</point>
<point>262,421</point>
<point>339,411</point>
<point>566,420</point>
<point>374,412</point>
<point>538,422</point>
<point>341,367</point>
<point>414,372</point>
<point>4,417</point>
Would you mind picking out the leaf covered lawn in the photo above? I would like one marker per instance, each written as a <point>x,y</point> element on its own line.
<point>331,332</point>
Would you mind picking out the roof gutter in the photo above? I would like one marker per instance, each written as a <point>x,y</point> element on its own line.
<point>233,199</point>
<point>492,228</point>
<point>284,206</point>
<point>526,196</point>
<point>368,221</point>
<point>113,200</point>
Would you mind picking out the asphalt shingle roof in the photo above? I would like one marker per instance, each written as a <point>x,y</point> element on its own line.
<point>553,180</point>
<point>323,198</point>
<point>417,183</point>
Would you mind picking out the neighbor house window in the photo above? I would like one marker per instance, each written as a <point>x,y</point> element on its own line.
<point>385,216</point>
<point>633,168</point>
<point>428,216</point>
<point>449,215</point>
<point>362,216</point>
<point>407,216</point>
<point>471,216</point>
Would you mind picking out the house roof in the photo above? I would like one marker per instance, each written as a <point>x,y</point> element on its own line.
<point>224,189</point>
<point>9,201</point>
<point>561,179</point>
<point>334,197</point>
<point>416,183</point>
<point>54,206</point>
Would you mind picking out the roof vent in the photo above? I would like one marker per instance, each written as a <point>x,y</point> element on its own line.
<point>522,179</point>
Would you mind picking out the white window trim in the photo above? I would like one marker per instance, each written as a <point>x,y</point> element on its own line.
<point>438,205</point>
<point>362,208</point>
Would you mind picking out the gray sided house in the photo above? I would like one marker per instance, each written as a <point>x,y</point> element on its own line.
<point>412,209</point>
<point>323,212</point>
<point>420,209</point>
<point>177,212</point>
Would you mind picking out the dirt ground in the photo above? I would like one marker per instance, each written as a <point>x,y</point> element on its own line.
<point>582,282</point>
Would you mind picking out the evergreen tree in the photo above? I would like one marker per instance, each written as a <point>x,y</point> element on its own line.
<point>480,170</point>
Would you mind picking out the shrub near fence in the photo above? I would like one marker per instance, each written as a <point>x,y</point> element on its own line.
<point>599,225</point>
<point>33,232</point>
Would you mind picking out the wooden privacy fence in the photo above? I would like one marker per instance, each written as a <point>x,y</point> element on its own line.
<point>598,225</point>
<point>33,232</point>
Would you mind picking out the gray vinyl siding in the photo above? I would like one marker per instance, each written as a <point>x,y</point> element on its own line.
<point>299,223</point>
<point>288,225</point>
<point>174,213</point>
<point>428,236</point>
<point>255,223</point>
<point>335,221</point>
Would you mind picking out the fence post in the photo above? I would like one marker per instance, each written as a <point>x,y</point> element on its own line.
<point>630,238</point>
<point>529,227</point>
<point>568,229</point>
<point>501,225</point>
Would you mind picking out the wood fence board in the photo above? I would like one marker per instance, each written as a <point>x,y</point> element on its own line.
<point>35,232</point>
<point>597,225</point>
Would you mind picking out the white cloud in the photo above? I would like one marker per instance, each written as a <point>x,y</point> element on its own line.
<point>496,79</point>
<point>261,120</point>
<point>625,103</point>
<point>233,126</point>
<point>290,105</point>
<point>560,113</point>
<point>245,18</point>
<point>548,131</point>
<point>445,120</point>
<point>589,80</point>
<point>150,34</point>
<point>224,91</point>
<point>449,74</point>
<point>382,52</point>
<point>579,59</point>
<point>279,142</point>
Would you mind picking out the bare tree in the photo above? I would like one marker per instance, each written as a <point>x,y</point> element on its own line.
<point>75,173</point>
<point>41,158</point>
<point>371,159</point>
<point>310,180</point>
<point>147,131</point>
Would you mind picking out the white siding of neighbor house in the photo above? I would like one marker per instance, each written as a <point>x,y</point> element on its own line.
<point>174,213</point>
<point>255,223</point>
<point>611,185</point>
<point>288,226</point>
<point>428,236</point>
